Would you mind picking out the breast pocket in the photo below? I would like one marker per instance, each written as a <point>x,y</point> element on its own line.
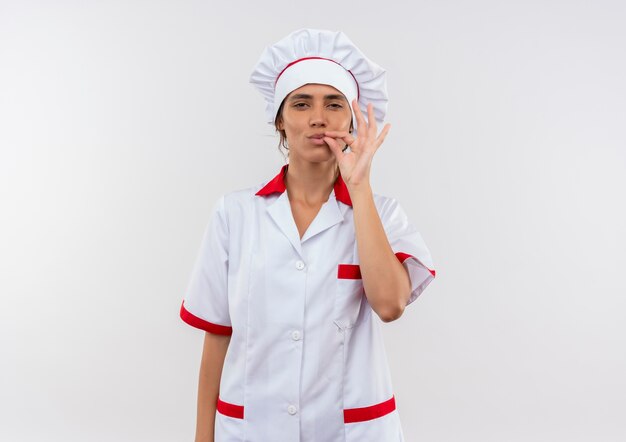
<point>349,295</point>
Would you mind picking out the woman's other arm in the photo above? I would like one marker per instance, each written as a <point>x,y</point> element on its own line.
<point>213,354</point>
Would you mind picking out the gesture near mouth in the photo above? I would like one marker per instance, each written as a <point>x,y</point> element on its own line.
<point>355,165</point>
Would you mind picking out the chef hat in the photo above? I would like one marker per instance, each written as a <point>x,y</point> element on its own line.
<point>318,56</point>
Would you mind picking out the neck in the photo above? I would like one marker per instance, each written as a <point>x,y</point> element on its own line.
<point>310,183</point>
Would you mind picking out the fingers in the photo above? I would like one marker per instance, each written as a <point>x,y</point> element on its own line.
<point>360,120</point>
<point>371,118</point>
<point>366,131</point>
<point>368,127</point>
<point>383,134</point>
<point>335,147</point>
<point>345,136</point>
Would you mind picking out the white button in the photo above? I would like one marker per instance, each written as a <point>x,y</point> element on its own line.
<point>299,265</point>
<point>295,335</point>
<point>292,409</point>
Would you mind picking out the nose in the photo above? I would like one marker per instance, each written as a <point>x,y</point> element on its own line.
<point>317,117</point>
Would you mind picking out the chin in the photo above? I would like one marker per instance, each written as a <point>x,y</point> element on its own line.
<point>320,155</point>
<point>314,157</point>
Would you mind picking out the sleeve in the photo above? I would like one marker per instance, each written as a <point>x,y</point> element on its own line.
<point>408,246</point>
<point>205,304</point>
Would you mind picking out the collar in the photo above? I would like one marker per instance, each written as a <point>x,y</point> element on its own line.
<point>277,185</point>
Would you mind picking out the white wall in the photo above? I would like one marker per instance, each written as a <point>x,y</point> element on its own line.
<point>121,122</point>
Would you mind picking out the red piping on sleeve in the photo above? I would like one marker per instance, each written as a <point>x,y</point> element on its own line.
<point>200,323</point>
<point>404,256</point>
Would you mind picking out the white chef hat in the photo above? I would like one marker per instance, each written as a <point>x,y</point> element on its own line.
<point>318,56</point>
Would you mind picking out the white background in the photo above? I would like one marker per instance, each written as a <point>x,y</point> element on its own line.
<point>121,123</point>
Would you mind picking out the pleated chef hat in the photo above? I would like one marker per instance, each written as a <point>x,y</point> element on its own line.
<point>318,56</point>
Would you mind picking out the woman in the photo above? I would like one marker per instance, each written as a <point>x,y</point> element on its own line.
<point>295,275</point>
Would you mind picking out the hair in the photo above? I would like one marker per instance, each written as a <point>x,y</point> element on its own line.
<point>281,132</point>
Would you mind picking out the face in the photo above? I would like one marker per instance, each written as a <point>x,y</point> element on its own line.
<point>309,111</point>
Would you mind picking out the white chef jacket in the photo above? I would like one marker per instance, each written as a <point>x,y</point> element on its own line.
<point>306,360</point>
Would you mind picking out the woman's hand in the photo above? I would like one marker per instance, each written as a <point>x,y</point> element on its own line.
<point>355,166</point>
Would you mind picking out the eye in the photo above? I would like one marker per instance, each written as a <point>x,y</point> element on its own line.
<point>336,105</point>
<point>300,105</point>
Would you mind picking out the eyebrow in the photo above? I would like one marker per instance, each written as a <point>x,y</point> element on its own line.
<point>309,97</point>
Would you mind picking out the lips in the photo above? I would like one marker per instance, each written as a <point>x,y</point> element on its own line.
<point>317,136</point>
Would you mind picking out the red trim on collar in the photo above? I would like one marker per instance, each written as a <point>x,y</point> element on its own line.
<point>277,185</point>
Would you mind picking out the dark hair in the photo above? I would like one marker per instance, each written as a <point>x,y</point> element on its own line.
<point>281,132</point>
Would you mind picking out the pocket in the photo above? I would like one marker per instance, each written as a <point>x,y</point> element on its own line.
<point>370,412</point>
<point>378,422</point>
<point>349,295</point>
<point>229,421</point>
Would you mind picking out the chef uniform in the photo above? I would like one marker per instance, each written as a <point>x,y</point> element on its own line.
<point>306,360</point>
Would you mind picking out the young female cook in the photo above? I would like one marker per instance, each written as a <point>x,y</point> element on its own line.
<point>296,275</point>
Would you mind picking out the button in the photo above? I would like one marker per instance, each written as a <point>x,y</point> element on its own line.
<point>292,409</point>
<point>295,335</point>
<point>299,265</point>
